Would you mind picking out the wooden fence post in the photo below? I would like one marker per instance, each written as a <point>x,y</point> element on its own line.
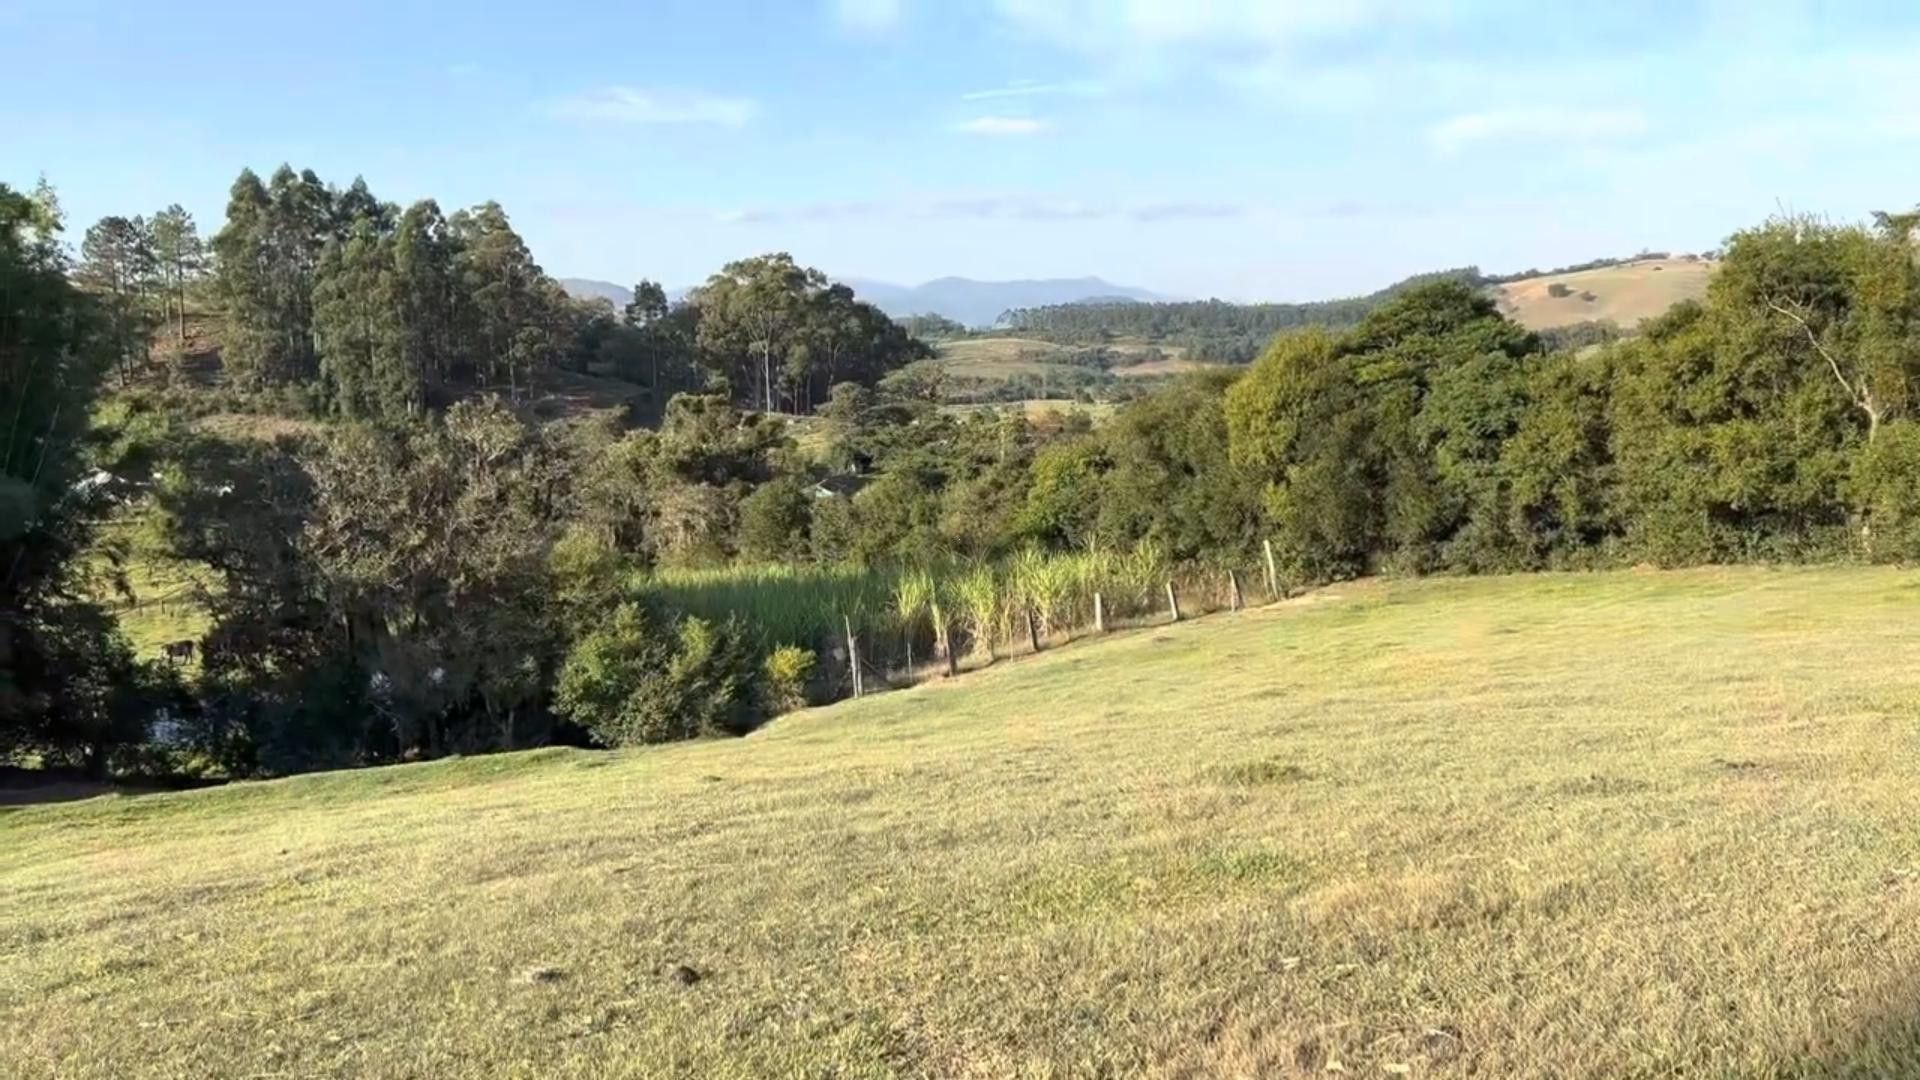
<point>1033,631</point>
<point>853,655</point>
<point>1099,614</point>
<point>1173,602</point>
<point>1234,598</point>
<point>1273,572</point>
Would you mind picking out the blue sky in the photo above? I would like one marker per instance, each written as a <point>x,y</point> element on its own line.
<point>1240,148</point>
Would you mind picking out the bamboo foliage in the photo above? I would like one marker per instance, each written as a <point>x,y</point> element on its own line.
<point>912,603</point>
<point>977,595</point>
<point>974,608</point>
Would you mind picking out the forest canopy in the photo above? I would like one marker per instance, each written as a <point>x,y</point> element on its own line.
<point>394,556</point>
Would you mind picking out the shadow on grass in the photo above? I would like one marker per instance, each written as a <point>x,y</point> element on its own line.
<point>38,787</point>
<point>1878,1044</point>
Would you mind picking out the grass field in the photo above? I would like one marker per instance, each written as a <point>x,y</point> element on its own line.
<point>1009,357</point>
<point>1626,294</point>
<point>1619,825</point>
<point>1043,409</point>
<point>999,358</point>
<point>162,601</point>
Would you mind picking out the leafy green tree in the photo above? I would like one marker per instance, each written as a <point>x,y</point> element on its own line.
<point>1737,422</point>
<point>752,314</point>
<point>1172,479</point>
<point>510,305</point>
<point>266,256</point>
<point>427,292</point>
<point>359,324</point>
<point>775,520</point>
<point>180,256</point>
<point>771,324</point>
<point>1558,470</point>
<point>69,687</point>
<point>1064,501</point>
<point>1298,422</point>
<point>646,314</point>
<point>1886,488</point>
<point>1852,293</point>
<point>432,547</point>
<point>356,204</point>
<point>119,263</point>
<point>637,678</point>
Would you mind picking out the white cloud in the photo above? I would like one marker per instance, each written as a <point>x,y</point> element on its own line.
<point>867,16</point>
<point>631,105</point>
<point>805,212</point>
<point>1101,25</point>
<point>1311,54</point>
<point>1028,88</point>
<point>1012,207</point>
<point>1536,125</point>
<point>1188,211</point>
<point>1003,126</point>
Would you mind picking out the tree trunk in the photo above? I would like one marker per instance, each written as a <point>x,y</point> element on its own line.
<point>95,765</point>
<point>853,656</point>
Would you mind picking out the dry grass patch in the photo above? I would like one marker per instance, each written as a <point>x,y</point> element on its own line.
<point>1633,824</point>
<point>1626,294</point>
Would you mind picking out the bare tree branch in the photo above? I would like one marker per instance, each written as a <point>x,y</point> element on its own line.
<point>1814,340</point>
<point>1862,395</point>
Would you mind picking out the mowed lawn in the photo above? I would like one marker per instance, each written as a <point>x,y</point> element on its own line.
<point>1617,825</point>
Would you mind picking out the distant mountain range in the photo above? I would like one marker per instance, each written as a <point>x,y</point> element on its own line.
<point>588,289</point>
<point>975,303</point>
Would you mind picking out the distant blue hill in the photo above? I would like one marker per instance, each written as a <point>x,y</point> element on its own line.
<point>975,303</point>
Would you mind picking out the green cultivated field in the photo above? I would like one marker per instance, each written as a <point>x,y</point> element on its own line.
<point>1634,824</point>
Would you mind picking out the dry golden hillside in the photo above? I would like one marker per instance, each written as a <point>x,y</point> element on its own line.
<point>1624,294</point>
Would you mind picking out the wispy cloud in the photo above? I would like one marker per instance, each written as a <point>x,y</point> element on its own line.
<point>1243,25</point>
<point>806,212</point>
<point>867,16</point>
<point>1578,126</point>
<point>1003,126</point>
<point>645,107</point>
<point>1028,88</point>
<point>1030,208</point>
<point>1188,211</point>
<point>1306,55</point>
<point>1017,208</point>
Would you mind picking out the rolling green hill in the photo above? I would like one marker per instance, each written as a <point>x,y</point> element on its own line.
<point>1626,824</point>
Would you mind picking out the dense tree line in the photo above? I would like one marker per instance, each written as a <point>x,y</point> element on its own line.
<point>1769,422</point>
<point>71,689</point>
<point>786,331</point>
<point>1209,330</point>
<point>139,272</point>
<point>1229,333</point>
<point>418,577</point>
<point>1575,268</point>
<point>382,312</point>
<point>389,313</point>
